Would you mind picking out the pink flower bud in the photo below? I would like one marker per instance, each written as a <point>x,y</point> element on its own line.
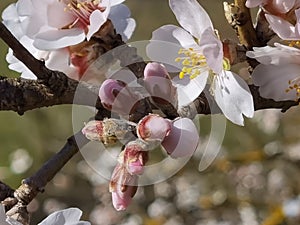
<point>135,158</point>
<point>159,85</point>
<point>123,185</point>
<point>182,140</point>
<point>116,96</point>
<point>93,130</point>
<point>153,128</point>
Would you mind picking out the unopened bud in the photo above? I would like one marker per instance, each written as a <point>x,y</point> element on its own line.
<point>117,97</point>
<point>153,128</point>
<point>159,85</point>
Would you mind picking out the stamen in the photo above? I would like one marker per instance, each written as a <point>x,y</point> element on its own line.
<point>294,85</point>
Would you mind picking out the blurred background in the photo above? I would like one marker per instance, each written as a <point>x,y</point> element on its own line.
<point>253,181</point>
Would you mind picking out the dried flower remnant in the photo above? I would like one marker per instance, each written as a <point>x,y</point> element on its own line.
<point>109,131</point>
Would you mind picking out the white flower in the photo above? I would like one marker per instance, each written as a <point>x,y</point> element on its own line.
<point>70,216</point>
<point>279,14</point>
<point>54,24</point>
<point>202,62</point>
<point>278,75</point>
<point>73,61</point>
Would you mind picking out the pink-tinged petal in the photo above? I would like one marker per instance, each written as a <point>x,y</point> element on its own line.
<point>191,16</point>
<point>189,89</point>
<point>212,49</point>
<point>117,97</point>
<point>273,81</point>
<point>233,96</point>
<point>58,16</point>
<point>55,39</point>
<point>93,130</point>
<point>153,127</point>
<point>283,6</point>
<point>282,28</point>
<point>254,3</point>
<point>121,200</point>
<point>135,157</point>
<point>97,19</point>
<point>158,83</point>
<point>182,140</point>
<point>297,26</point>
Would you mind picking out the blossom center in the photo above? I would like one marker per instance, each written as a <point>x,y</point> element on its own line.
<point>81,10</point>
<point>295,44</point>
<point>194,63</point>
<point>294,85</point>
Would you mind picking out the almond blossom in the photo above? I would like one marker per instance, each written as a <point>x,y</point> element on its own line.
<point>27,21</point>
<point>282,15</point>
<point>203,62</point>
<point>70,216</point>
<point>54,24</point>
<point>278,74</point>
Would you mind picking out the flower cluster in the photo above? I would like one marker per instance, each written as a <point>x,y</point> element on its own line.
<point>60,31</point>
<point>277,75</point>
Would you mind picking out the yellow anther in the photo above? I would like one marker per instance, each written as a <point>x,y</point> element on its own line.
<point>226,64</point>
<point>186,62</point>
<point>178,59</point>
<point>181,75</point>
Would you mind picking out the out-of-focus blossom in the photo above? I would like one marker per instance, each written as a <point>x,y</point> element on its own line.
<point>28,21</point>
<point>201,56</point>
<point>117,97</point>
<point>70,216</point>
<point>282,15</point>
<point>56,24</point>
<point>278,74</point>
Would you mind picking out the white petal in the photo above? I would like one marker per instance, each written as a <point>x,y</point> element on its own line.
<point>253,3</point>
<point>116,2</point>
<point>58,17</point>
<point>63,217</point>
<point>189,89</point>
<point>183,138</point>
<point>191,16</point>
<point>212,49</point>
<point>60,60</point>
<point>282,28</point>
<point>124,25</point>
<point>97,19</point>
<point>233,96</point>
<point>278,55</point>
<point>165,44</point>
<point>10,12</point>
<point>273,81</point>
<point>55,39</point>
